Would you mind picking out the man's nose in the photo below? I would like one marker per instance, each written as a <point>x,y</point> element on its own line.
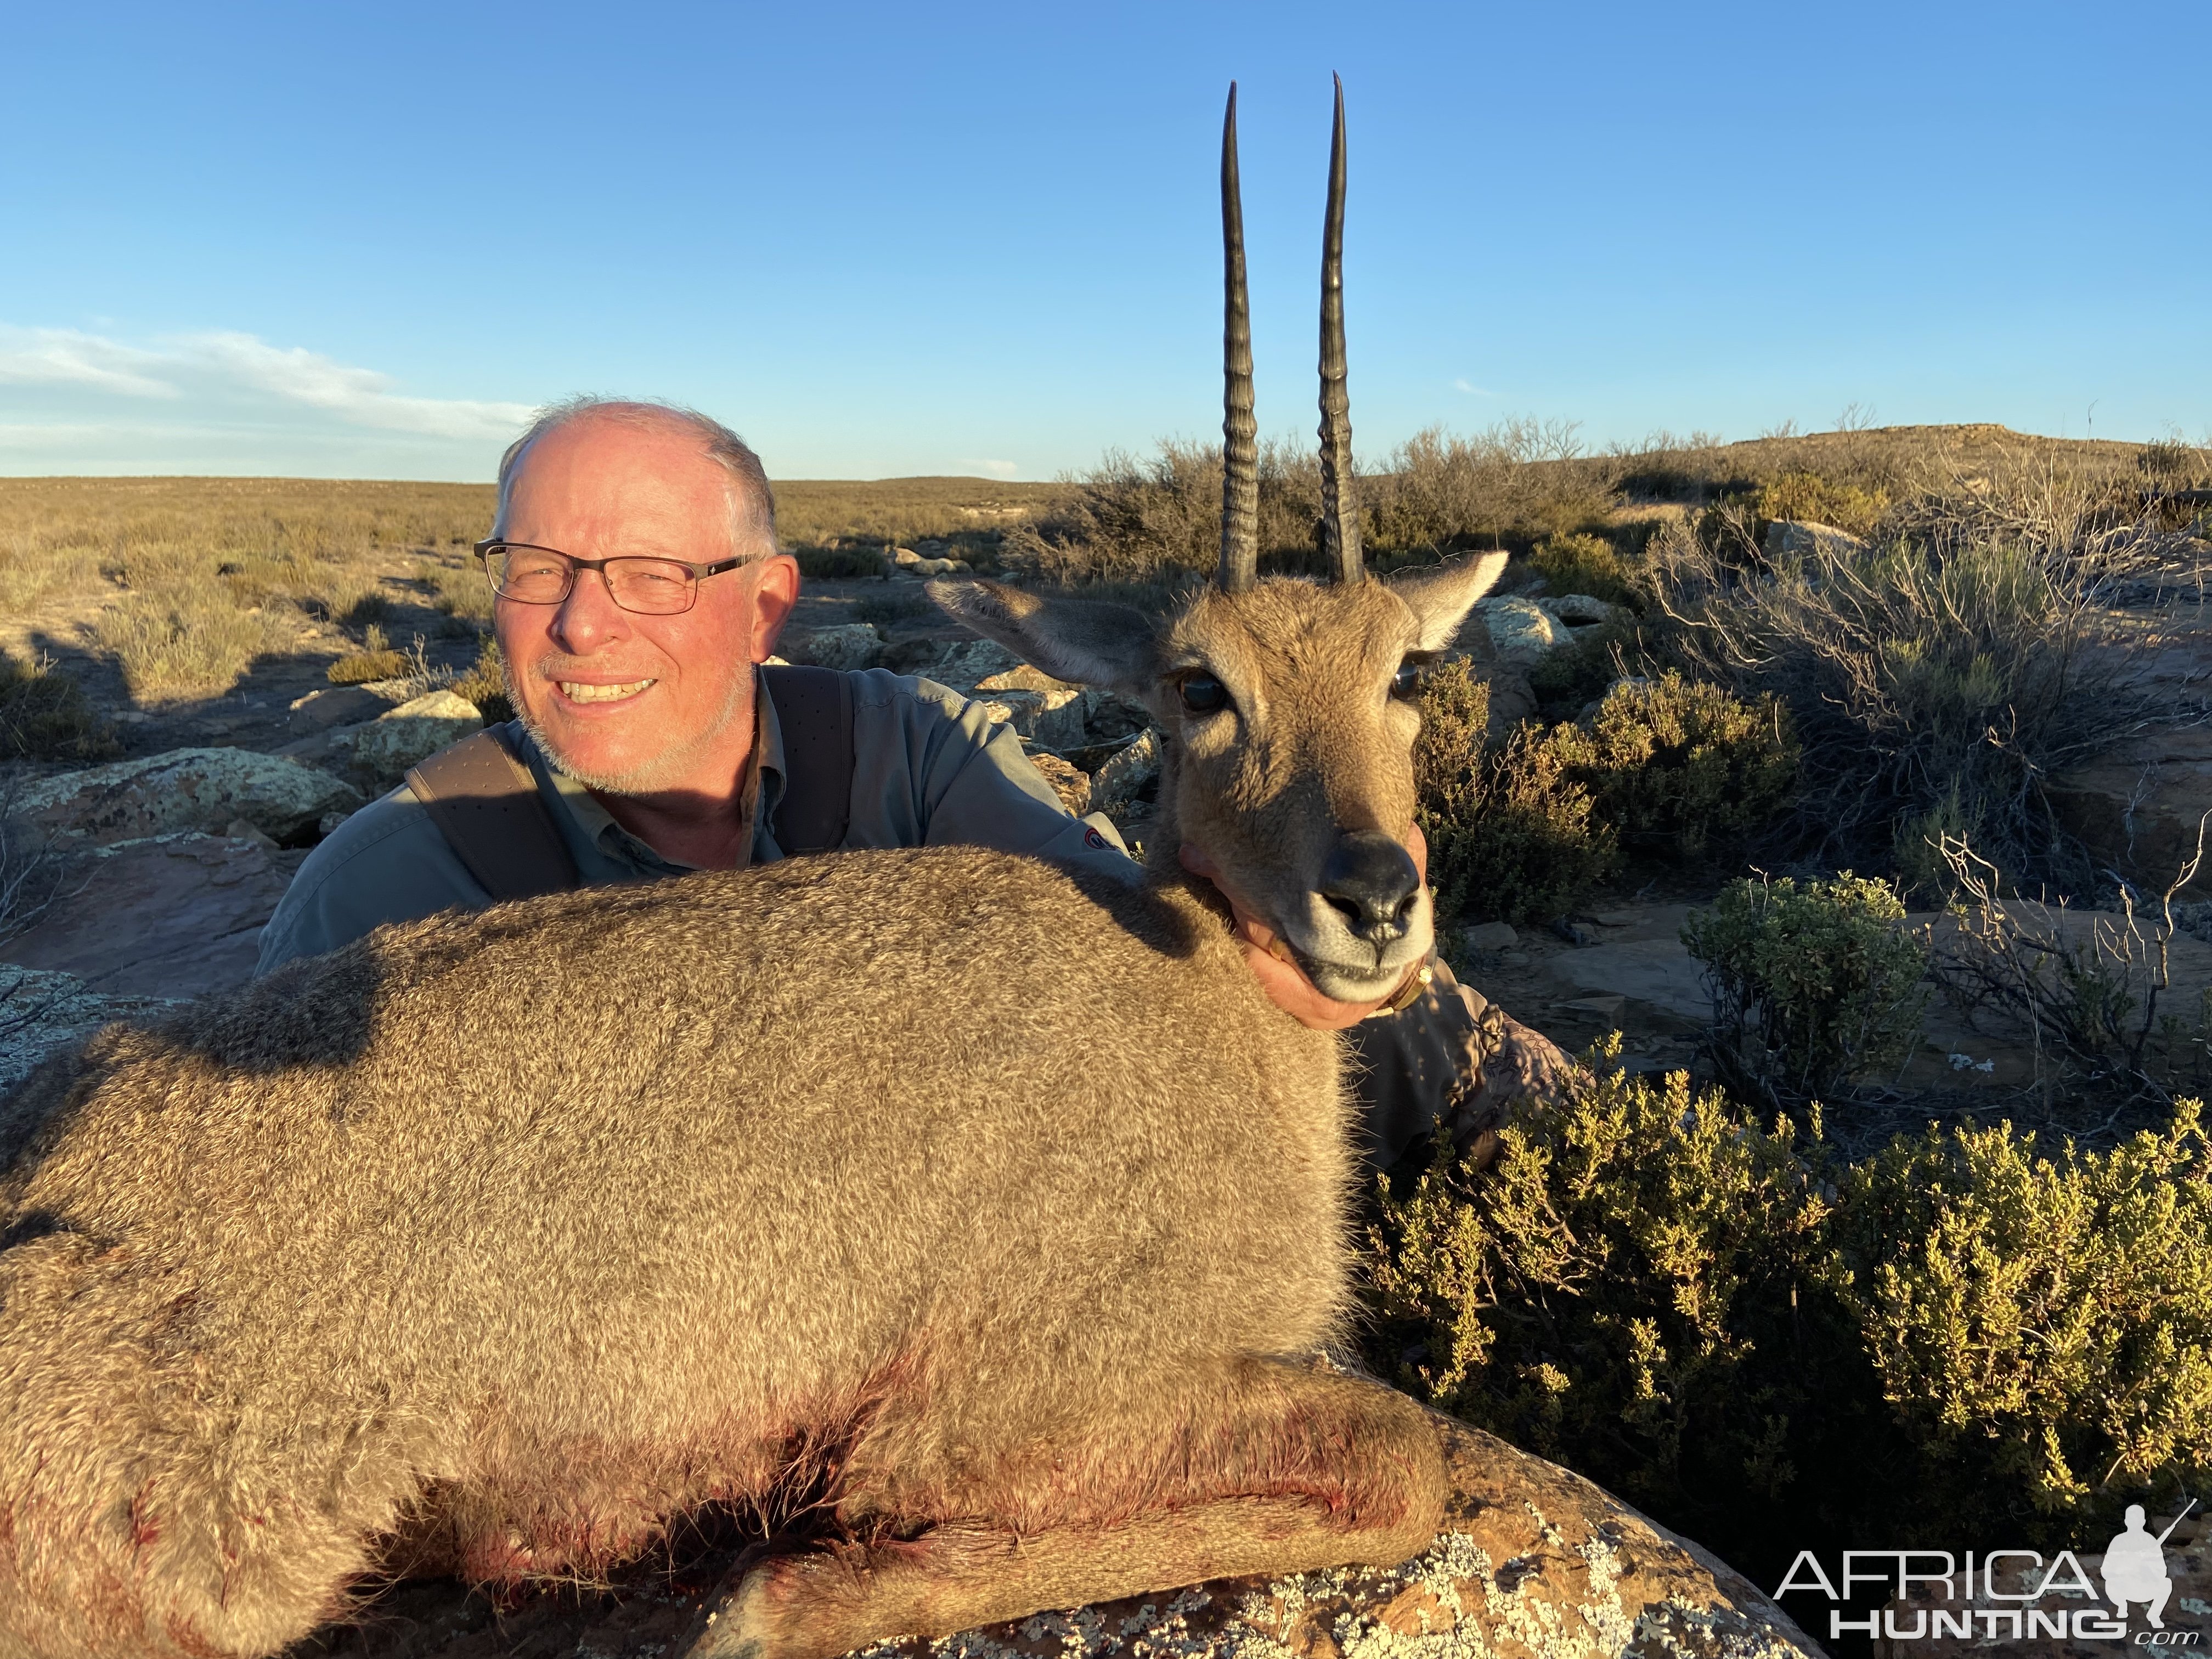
<point>589,617</point>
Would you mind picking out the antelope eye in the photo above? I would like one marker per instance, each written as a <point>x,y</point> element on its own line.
<point>1202,693</point>
<point>1407,681</point>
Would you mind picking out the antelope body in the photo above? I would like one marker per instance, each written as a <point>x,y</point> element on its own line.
<point>996,1213</point>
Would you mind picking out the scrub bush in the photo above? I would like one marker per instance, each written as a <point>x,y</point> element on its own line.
<point>1962,1341</point>
<point>375,660</point>
<point>1524,830</point>
<point>1813,986</point>
<point>44,716</point>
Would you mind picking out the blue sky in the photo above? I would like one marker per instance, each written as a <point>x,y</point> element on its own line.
<point>353,241</point>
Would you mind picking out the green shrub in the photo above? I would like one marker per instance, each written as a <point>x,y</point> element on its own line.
<point>1524,830</point>
<point>1585,564</point>
<point>1813,986</point>
<point>1678,767</point>
<point>45,716</point>
<point>1809,497</point>
<point>1960,1342</point>
<point>375,660</point>
<point>1510,830</point>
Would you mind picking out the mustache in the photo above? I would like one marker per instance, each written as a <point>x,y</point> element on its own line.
<point>570,668</point>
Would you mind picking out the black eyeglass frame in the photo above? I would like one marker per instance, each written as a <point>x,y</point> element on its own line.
<point>698,572</point>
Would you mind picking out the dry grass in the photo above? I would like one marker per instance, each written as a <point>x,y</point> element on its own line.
<point>196,577</point>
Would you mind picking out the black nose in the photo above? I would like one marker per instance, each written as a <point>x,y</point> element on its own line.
<point>1371,879</point>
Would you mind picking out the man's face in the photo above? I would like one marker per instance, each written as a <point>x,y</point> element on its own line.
<point>638,704</point>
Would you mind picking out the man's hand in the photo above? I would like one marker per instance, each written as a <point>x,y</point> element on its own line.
<point>1285,984</point>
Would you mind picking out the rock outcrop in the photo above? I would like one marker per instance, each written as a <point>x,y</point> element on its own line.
<point>166,916</point>
<point>396,739</point>
<point>842,645</point>
<point>185,789</point>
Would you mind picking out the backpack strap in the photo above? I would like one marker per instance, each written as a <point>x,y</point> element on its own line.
<point>814,707</point>
<point>485,803</point>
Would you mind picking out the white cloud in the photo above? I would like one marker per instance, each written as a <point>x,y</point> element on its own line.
<point>994,469</point>
<point>1472,390</point>
<point>359,395</point>
<point>69,374</point>
<point>63,356</point>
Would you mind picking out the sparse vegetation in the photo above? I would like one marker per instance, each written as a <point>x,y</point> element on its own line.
<point>1524,829</point>
<point>1585,564</point>
<point>1814,987</point>
<point>1946,670</point>
<point>1511,830</point>
<point>45,716</point>
<point>375,660</point>
<point>485,682</point>
<point>1968,1337</point>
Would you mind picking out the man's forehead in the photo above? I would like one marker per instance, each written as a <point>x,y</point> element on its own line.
<point>607,469</point>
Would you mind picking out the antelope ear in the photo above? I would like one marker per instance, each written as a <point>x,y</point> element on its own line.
<point>1086,642</point>
<point>1440,595</point>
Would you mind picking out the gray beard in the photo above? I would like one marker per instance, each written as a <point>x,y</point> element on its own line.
<point>648,778</point>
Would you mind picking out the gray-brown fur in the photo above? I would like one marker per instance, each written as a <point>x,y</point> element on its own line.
<point>992,1207</point>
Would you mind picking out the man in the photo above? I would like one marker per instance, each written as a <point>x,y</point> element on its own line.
<point>649,743</point>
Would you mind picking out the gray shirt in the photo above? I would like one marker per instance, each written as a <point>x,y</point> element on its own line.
<point>928,771</point>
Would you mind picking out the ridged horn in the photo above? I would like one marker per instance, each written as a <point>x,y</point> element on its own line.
<point>1339,492</point>
<point>1240,429</point>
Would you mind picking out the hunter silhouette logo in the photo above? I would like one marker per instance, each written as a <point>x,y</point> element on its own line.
<point>2135,1566</point>
<point>2014,1595</point>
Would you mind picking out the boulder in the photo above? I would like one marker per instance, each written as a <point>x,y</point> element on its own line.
<point>1113,718</point>
<point>185,789</point>
<point>1581,610</point>
<point>1794,538</point>
<point>1073,787</point>
<point>966,664</point>
<point>842,645</point>
<point>1022,678</point>
<point>387,745</point>
<point>340,705</point>
<point>1533,1562</point>
<point>168,916</point>
<point>1124,777</point>
<point>1488,936</point>
<point>1521,631</point>
<point>1051,718</point>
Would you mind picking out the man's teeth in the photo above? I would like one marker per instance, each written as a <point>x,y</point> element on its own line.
<point>581,692</point>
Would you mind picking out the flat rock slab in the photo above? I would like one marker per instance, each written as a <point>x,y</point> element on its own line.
<point>40,1010</point>
<point>202,789</point>
<point>1534,1563</point>
<point>168,916</point>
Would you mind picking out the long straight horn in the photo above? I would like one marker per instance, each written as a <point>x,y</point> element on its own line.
<point>1240,430</point>
<point>1340,493</point>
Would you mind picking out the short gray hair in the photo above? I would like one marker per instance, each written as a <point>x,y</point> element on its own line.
<point>752,504</point>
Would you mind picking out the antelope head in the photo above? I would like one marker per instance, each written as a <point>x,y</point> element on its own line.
<point>1285,705</point>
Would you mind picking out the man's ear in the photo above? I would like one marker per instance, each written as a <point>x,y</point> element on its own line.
<point>1440,595</point>
<point>1085,641</point>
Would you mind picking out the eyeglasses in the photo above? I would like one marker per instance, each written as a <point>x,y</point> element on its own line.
<point>543,575</point>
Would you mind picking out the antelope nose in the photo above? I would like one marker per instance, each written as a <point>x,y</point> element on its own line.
<point>1372,880</point>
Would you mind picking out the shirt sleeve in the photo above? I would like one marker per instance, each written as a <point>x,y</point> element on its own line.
<point>931,770</point>
<point>385,863</point>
